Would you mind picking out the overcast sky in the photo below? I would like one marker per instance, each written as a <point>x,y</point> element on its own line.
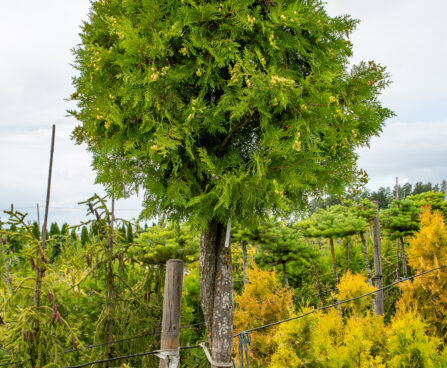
<point>407,36</point>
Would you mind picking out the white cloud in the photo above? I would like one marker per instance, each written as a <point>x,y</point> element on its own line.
<point>411,151</point>
<point>36,37</point>
<point>408,37</point>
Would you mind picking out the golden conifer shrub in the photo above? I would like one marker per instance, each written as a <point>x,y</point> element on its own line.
<point>351,286</point>
<point>264,300</point>
<point>427,294</point>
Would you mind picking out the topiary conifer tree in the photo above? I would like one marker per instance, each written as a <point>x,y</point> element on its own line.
<point>220,109</point>
<point>401,219</point>
<point>365,209</point>
<point>436,201</point>
<point>334,222</point>
<point>279,245</point>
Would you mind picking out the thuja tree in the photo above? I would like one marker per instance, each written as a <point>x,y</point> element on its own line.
<point>222,108</point>
<point>334,222</point>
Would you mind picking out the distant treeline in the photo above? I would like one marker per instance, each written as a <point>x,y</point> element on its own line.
<point>383,195</point>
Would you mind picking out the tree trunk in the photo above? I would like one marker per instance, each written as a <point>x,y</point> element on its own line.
<point>397,261</point>
<point>378,263</point>
<point>404,258</point>
<point>216,291</point>
<point>286,277</point>
<point>365,256</point>
<point>317,280</point>
<point>5,264</point>
<point>334,262</point>
<point>244,262</point>
<point>110,297</point>
<point>348,246</point>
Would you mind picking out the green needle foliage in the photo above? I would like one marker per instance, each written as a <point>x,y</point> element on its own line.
<point>364,208</point>
<point>159,244</point>
<point>209,105</point>
<point>34,329</point>
<point>280,245</point>
<point>401,218</point>
<point>436,200</point>
<point>334,222</point>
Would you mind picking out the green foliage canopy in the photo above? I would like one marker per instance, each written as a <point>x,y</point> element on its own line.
<point>212,105</point>
<point>401,218</point>
<point>159,244</point>
<point>334,222</point>
<point>436,200</point>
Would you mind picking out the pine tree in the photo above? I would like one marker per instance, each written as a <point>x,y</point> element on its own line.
<point>54,229</point>
<point>129,233</point>
<point>436,201</point>
<point>222,109</point>
<point>366,210</point>
<point>401,219</point>
<point>334,222</point>
<point>84,235</point>
<point>36,230</point>
<point>279,245</point>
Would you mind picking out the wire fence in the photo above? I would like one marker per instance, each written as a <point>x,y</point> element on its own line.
<point>243,335</point>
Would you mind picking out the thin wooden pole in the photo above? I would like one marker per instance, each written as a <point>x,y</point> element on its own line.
<point>172,304</point>
<point>38,216</point>
<point>378,280</point>
<point>397,240</point>
<point>47,203</point>
<point>40,255</point>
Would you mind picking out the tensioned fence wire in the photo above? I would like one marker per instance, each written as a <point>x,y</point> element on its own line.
<point>245,332</point>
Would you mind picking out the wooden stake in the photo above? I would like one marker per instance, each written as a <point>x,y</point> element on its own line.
<point>40,254</point>
<point>38,216</point>
<point>172,305</point>
<point>397,240</point>
<point>47,204</point>
<point>377,262</point>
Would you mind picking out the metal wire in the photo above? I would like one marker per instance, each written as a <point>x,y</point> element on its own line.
<point>255,328</point>
<point>340,302</point>
<point>128,357</point>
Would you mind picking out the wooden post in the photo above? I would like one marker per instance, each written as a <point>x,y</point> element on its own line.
<point>378,282</point>
<point>172,305</point>
<point>397,240</point>
<point>38,216</point>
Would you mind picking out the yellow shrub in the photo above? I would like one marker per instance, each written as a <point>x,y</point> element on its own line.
<point>408,343</point>
<point>294,342</point>
<point>428,294</point>
<point>353,285</point>
<point>264,300</point>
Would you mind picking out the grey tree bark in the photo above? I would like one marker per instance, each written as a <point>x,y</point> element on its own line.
<point>216,291</point>
<point>244,262</point>
<point>365,257</point>
<point>378,264</point>
<point>286,276</point>
<point>404,258</point>
<point>334,262</point>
